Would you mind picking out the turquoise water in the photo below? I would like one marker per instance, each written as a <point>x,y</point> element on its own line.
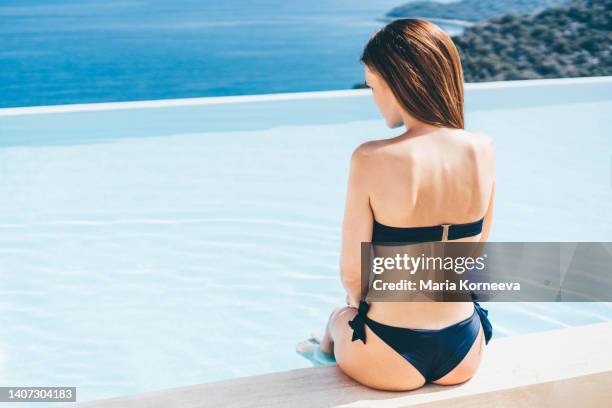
<point>153,248</point>
<point>76,51</point>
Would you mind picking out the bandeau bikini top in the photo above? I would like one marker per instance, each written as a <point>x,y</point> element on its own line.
<point>384,234</point>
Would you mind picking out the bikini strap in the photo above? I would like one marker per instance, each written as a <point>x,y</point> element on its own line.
<point>358,322</point>
<point>487,327</point>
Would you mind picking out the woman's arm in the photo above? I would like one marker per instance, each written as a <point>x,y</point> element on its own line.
<point>357,225</point>
<point>488,218</point>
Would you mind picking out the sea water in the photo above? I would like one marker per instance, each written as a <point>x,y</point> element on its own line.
<point>77,51</point>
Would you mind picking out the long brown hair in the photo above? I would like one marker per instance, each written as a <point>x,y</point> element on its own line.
<point>421,65</point>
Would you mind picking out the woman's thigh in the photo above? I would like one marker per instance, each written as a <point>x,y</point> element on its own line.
<point>373,364</point>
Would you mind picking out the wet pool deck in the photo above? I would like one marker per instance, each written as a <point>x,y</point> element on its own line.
<point>568,367</point>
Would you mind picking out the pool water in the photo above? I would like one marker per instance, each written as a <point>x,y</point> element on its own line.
<point>152,248</point>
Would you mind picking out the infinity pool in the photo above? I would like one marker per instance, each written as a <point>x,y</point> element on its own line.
<point>144,248</point>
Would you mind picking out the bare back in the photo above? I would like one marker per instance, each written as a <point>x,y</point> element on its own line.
<point>442,177</point>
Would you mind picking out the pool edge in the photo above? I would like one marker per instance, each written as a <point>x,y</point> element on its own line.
<point>220,100</point>
<point>549,367</point>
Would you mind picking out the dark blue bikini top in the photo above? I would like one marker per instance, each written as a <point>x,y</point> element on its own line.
<point>384,234</point>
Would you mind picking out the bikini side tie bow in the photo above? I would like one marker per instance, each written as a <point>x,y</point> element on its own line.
<point>358,322</point>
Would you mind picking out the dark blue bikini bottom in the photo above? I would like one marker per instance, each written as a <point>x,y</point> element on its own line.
<point>434,353</point>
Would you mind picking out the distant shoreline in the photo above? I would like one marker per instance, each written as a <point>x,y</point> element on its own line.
<point>462,23</point>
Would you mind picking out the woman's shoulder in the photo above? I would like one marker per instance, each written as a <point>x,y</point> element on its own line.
<point>369,148</point>
<point>374,149</point>
<point>483,138</point>
<point>376,156</point>
<point>483,144</point>
<point>472,143</point>
<point>375,152</point>
<point>370,160</point>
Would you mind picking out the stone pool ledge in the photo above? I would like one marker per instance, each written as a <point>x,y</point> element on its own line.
<point>558,368</point>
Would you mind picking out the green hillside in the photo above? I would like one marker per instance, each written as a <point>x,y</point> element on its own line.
<point>566,41</point>
<point>471,10</point>
<point>573,40</point>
